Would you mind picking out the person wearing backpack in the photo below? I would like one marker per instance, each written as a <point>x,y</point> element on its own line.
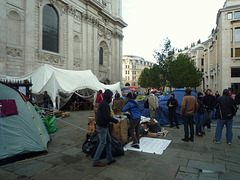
<point>172,104</point>
<point>133,106</point>
<point>200,115</point>
<point>226,110</point>
<point>153,104</point>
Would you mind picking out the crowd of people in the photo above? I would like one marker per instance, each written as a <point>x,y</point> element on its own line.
<point>202,108</point>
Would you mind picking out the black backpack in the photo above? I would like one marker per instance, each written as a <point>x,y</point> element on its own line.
<point>146,104</point>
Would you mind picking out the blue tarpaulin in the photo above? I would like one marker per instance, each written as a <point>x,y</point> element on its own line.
<point>162,112</point>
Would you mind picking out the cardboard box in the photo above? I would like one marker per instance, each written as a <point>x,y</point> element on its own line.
<point>120,131</point>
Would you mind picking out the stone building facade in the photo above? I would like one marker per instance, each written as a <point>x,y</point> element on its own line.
<point>219,56</point>
<point>69,34</point>
<point>132,66</point>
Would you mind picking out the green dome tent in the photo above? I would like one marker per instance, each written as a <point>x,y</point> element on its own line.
<point>22,132</point>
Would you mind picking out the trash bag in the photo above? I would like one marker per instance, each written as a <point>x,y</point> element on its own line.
<point>116,147</point>
<point>154,128</point>
<point>51,124</point>
<point>91,144</point>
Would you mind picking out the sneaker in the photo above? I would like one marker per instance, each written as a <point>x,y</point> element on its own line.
<point>229,143</point>
<point>110,162</point>
<point>185,140</point>
<point>99,164</point>
<point>177,127</point>
<point>203,133</point>
<point>191,139</point>
<point>199,134</point>
<point>136,146</point>
<point>217,142</point>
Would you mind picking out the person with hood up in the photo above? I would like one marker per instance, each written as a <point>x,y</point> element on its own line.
<point>172,104</point>
<point>133,106</point>
<point>226,109</point>
<point>103,119</point>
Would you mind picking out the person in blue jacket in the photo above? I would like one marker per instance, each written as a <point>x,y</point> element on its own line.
<point>133,107</point>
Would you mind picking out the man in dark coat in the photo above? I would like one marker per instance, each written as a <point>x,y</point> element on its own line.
<point>208,101</point>
<point>103,119</point>
<point>46,99</point>
<point>226,109</point>
<point>172,104</point>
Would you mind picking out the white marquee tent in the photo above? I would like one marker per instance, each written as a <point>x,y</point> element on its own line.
<point>55,80</point>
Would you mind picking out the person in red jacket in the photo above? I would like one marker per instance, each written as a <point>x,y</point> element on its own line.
<point>99,97</point>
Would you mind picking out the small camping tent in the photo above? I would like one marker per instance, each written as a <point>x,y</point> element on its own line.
<point>162,112</point>
<point>55,81</point>
<point>21,128</point>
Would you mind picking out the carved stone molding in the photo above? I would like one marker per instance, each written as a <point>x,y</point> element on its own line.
<point>103,69</point>
<point>108,34</point>
<point>49,58</point>
<point>14,52</point>
<point>77,63</point>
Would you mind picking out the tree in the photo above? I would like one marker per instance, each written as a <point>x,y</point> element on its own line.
<point>149,78</point>
<point>163,57</point>
<point>183,73</point>
<point>143,79</point>
<point>199,41</point>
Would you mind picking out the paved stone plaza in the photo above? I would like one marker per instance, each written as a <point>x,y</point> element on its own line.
<point>200,160</point>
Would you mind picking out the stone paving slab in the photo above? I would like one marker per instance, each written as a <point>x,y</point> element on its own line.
<point>186,176</point>
<point>208,176</point>
<point>207,166</point>
<point>33,169</point>
<point>7,175</point>
<point>60,173</point>
<point>162,168</point>
<point>196,155</point>
<point>72,151</point>
<point>120,173</point>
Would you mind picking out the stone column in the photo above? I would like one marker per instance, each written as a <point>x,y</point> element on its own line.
<point>29,36</point>
<point>3,35</point>
<point>70,56</point>
<point>84,45</point>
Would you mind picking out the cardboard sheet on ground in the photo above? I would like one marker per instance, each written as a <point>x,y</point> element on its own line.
<point>150,145</point>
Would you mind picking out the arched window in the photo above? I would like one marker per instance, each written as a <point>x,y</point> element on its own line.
<point>50,29</point>
<point>101,56</point>
<point>127,84</point>
<point>14,28</point>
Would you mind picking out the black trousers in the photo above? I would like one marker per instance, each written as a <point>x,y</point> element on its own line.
<point>172,115</point>
<point>188,122</point>
<point>134,130</point>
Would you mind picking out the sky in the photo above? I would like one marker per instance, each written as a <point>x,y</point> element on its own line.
<point>150,22</point>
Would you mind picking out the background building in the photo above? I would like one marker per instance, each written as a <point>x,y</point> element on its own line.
<point>69,34</point>
<point>219,56</point>
<point>132,67</point>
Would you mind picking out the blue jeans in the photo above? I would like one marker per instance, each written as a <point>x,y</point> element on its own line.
<point>220,125</point>
<point>199,119</point>
<point>104,141</point>
<point>207,121</point>
<point>188,121</point>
